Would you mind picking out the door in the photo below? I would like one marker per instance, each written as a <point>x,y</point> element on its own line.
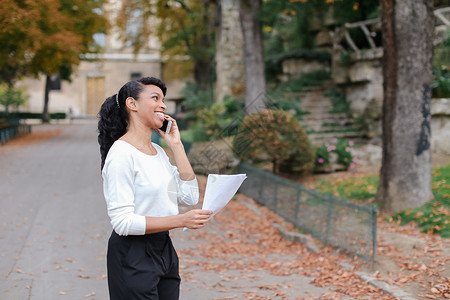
<point>95,94</point>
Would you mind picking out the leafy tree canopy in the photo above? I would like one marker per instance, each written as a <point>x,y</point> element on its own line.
<point>186,30</point>
<point>47,36</point>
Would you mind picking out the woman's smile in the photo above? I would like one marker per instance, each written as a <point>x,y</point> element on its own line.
<point>160,115</point>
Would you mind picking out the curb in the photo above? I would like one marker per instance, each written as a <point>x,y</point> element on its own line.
<point>306,240</point>
<point>297,237</point>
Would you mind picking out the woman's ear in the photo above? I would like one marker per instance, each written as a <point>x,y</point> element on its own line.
<point>130,102</point>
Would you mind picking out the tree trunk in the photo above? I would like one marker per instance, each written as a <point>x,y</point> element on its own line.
<point>230,71</point>
<point>45,114</point>
<point>255,93</point>
<point>204,61</point>
<point>405,176</point>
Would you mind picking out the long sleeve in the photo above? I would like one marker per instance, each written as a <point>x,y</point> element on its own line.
<point>119,190</point>
<point>187,190</point>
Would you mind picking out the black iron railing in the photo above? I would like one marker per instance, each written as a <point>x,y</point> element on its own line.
<point>335,221</point>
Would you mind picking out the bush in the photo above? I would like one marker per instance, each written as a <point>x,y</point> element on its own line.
<point>206,120</point>
<point>275,136</point>
<point>441,69</point>
<point>12,96</point>
<point>341,147</point>
<point>30,115</point>
<point>196,100</point>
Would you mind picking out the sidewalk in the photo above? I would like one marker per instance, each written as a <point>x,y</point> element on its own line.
<point>54,231</point>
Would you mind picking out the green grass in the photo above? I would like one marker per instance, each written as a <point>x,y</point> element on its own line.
<point>357,188</point>
<point>433,216</point>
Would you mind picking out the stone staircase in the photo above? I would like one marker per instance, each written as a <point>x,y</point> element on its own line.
<point>322,125</point>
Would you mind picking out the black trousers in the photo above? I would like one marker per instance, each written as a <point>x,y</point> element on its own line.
<point>142,267</point>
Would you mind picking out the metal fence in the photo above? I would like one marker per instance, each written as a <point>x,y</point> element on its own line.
<point>333,220</point>
<point>7,132</point>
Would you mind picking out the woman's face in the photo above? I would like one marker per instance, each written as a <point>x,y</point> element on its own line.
<point>150,106</point>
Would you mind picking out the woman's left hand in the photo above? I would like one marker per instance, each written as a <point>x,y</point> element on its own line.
<point>172,138</point>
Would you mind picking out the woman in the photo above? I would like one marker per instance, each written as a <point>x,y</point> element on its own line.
<point>142,190</point>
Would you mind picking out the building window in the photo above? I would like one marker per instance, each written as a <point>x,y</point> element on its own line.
<point>135,76</point>
<point>55,82</point>
<point>100,39</point>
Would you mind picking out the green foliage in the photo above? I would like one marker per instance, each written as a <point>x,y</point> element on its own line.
<point>208,120</point>
<point>234,107</point>
<point>345,58</point>
<point>338,100</point>
<point>301,82</point>
<point>441,69</point>
<point>433,216</point>
<point>12,96</point>
<point>343,149</point>
<point>281,100</point>
<point>274,136</point>
<point>184,28</point>
<point>349,11</point>
<point>290,26</point>
<point>196,99</point>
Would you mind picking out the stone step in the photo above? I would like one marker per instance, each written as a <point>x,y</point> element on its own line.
<point>324,135</point>
<point>325,128</point>
<point>318,139</point>
<point>317,110</point>
<point>325,117</point>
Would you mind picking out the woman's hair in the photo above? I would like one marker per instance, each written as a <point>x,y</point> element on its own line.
<point>113,116</point>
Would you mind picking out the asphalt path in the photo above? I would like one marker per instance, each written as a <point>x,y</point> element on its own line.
<point>54,228</point>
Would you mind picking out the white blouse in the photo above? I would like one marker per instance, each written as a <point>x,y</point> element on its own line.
<point>136,185</point>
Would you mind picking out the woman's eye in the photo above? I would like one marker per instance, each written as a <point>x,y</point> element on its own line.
<point>155,97</point>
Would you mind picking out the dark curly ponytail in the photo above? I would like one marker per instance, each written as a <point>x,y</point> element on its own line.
<point>113,116</point>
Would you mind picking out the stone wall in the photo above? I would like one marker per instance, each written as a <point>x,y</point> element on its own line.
<point>361,80</point>
<point>440,126</point>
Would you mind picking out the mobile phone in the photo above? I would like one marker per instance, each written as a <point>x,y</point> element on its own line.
<point>167,124</point>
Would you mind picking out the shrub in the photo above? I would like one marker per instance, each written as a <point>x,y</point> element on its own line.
<point>196,100</point>
<point>341,147</point>
<point>210,119</point>
<point>12,96</point>
<point>275,136</point>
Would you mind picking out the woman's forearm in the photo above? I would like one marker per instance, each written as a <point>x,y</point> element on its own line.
<point>193,219</point>
<point>159,224</point>
<point>182,162</point>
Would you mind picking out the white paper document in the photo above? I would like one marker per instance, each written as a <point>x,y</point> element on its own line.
<point>219,191</point>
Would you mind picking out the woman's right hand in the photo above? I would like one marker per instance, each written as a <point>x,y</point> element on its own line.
<point>196,218</point>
